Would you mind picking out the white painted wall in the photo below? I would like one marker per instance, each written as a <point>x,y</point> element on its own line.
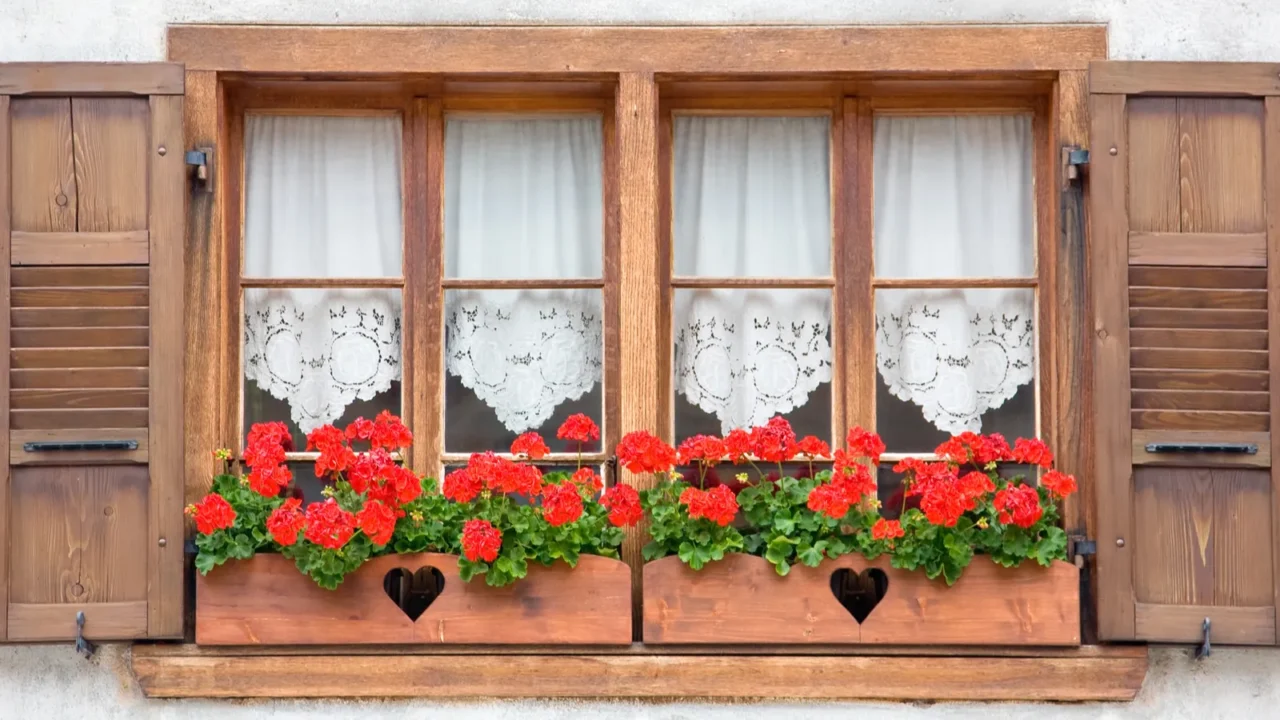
<point>53,682</point>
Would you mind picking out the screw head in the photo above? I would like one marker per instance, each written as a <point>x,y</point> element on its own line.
<point>1114,150</point>
<point>162,542</point>
<point>162,150</point>
<point>1119,542</point>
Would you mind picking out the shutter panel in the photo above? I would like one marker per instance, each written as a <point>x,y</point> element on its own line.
<point>92,193</point>
<point>1184,201</point>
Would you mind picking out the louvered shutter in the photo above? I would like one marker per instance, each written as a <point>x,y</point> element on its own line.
<point>1184,206</point>
<point>92,195</point>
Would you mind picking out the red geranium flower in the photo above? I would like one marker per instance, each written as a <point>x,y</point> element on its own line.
<point>1018,504</point>
<point>267,480</point>
<point>389,433</point>
<point>397,485</point>
<point>267,444</point>
<point>737,445</point>
<point>942,498</point>
<point>855,481</point>
<point>212,513</point>
<point>704,450</point>
<point>531,445</point>
<point>862,443</point>
<point>377,521</point>
<point>774,442</point>
<point>588,479</point>
<point>461,485</point>
<point>561,504</point>
<point>829,499</point>
<point>481,541</point>
<point>886,530</point>
<point>360,429</point>
<point>642,452</point>
<point>579,428</point>
<point>972,486</point>
<point>623,504</point>
<point>334,459</point>
<point>367,468</point>
<point>719,505</point>
<point>1032,452</point>
<point>968,447</point>
<point>1058,483</point>
<point>325,437</point>
<point>328,525</point>
<point>811,447</point>
<point>285,522</point>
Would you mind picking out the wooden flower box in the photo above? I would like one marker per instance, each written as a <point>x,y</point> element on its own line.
<point>266,601</point>
<point>741,599</point>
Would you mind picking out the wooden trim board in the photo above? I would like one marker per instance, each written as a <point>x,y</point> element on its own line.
<point>88,78</point>
<point>1184,623</point>
<point>1198,249</point>
<point>1184,78</point>
<point>89,248</point>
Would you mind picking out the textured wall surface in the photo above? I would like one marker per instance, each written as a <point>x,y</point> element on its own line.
<point>53,682</point>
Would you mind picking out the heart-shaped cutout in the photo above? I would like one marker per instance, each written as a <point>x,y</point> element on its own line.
<point>859,593</point>
<point>413,592</point>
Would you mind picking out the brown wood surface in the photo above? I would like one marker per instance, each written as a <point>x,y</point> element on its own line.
<point>718,50</point>
<point>48,358</point>
<point>135,377</point>
<point>741,599</point>
<point>266,601</point>
<point>423,252</point>
<point>1196,318</point>
<point>78,297</point>
<point>1164,379</point>
<point>1219,249</point>
<point>76,78</point>
<point>5,245</point>
<point>1142,437</point>
<point>1200,400</point>
<point>36,622</point>
<point>1199,338</point>
<point>1197,298</point>
<point>1152,131</point>
<point>99,337</point>
<point>1271,161</point>
<point>69,419</point>
<point>858,265</point>
<point>1220,144</point>
<point>45,199</point>
<point>1185,624</point>
<point>1178,359</point>
<point>1199,277</point>
<point>1184,78</point>
<point>1108,264</point>
<point>78,317</point>
<point>85,248</point>
<point>18,455</point>
<point>109,137</point>
<point>79,276</point>
<point>1200,420</point>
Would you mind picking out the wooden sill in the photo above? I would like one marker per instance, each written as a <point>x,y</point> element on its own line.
<point>1088,673</point>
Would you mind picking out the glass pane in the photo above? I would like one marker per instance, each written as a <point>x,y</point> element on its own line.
<point>524,197</point>
<point>954,197</point>
<point>954,360</point>
<point>521,360</point>
<point>752,196</point>
<point>313,356</point>
<point>322,196</point>
<point>743,356</point>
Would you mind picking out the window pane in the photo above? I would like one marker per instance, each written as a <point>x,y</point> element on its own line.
<point>524,197</point>
<point>319,352</point>
<point>743,356</point>
<point>520,360</point>
<point>954,359</point>
<point>322,196</point>
<point>752,196</point>
<point>953,197</point>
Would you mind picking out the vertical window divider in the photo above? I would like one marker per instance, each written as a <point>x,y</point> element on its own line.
<point>858,253</point>
<point>424,273</point>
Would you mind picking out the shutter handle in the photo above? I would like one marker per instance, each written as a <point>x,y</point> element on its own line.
<point>74,445</point>
<point>1195,447</point>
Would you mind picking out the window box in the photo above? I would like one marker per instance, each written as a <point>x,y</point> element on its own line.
<point>266,601</point>
<point>742,600</point>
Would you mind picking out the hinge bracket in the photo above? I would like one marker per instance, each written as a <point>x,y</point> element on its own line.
<point>1079,547</point>
<point>1073,158</point>
<point>202,159</point>
<point>83,646</point>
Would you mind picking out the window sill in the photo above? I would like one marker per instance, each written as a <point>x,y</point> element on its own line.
<point>1088,673</point>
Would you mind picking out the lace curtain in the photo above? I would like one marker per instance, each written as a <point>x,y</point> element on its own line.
<point>322,199</point>
<point>751,198</point>
<point>953,199</point>
<point>524,199</point>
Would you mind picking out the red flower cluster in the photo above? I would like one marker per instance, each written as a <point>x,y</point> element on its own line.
<point>887,530</point>
<point>285,522</point>
<point>623,504</point>
<point>587,479</point>
<point>328,525</point>
<point>719,505</point>
<point>389,433</point>
<point>775,441</point>
<point>377,521</point>
<point>702,449</point>
<point>811,448</point>
<point>373,473</point>
<point>981,450</point>
<point>831,500</point>
<point>264,453</point>
<point>481,541</point>
<point>1018,504</point>
<point>862,443</point>
<point>268,480</point>
<point>530,445</point>
<point>1032,452</point>
<point>211,514</point>
<point>461,486</point>
<point>944,496</point>
<point>561,504</point>
<point>737,446</point>
<point>503,475</point>
<point>1058,483</point>
<point>850,482</point>
<point>643,452</point>
<point>578,428</point>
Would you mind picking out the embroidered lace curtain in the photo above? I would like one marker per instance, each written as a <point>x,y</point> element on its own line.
<point>751,198</point>
<point>524,199</point>
<point>953,199</point>
<point>322,199</point>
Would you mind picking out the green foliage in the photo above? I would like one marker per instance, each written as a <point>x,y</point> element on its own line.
<point>783,529</point>
<point>696,541</point>
<point>247,537</point>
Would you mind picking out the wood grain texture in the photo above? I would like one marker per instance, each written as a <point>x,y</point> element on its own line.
<point>78,297</point>
<point>1194,318</point>
<point>1184,623</point>
<point>1165,379</point>
<point>857,265</point>
<point>1200,339</point>
<point>35,622</point>
<point>1200,400</point>
<point>1109,232</point>
<point>82,248</point>
<point>1197,298</point>
<point>49,358</point>
<point>1200,420</point>
<point>715,50</point>
<point>167,221</point>
<point>18,454</point>
<point>742,600</point>
<point>79,378</point>
<point>80,337</point>
<point>79,276</point>
<point>1242,550</point>
<point>76,78</point>
<point>1086,674</point>
<point>73,419</point>
<point>1271,161</point>
<point>1153,164</point>
<point>1199,277</point>
<point>1197,249</point>
<point>110,142</point>
<point>1220,163</point>
<point>1198,359</point>
<point>425,295</point>
<point>266,601</point>
<point>1142,437</point>
<point>44,188</point>
<point>1173,535</point>
<point>1184,78</point>
<point>5,245</point>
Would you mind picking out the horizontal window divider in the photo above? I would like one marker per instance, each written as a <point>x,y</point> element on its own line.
<point>323,283</point>
<point>311,456</point>
<point>522,284</point>
<point>730,283</point>
<point>956,283</point>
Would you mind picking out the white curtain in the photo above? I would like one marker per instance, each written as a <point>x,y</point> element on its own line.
<point>953,199</point>
<point>322,199</point>
<point>751,198</point>
<point>524,199</point>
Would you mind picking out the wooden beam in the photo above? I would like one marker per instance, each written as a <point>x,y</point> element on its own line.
<point>681,50</point>
<point>74,78</point>
<point>1185,623</point>
<point>1082,674</point>
<point>1184,78</point>
<point>1198,249</point>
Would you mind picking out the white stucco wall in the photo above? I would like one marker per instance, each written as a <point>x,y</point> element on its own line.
<point>53,682</point>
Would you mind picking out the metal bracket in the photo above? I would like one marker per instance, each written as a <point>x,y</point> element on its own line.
<point>1204,650</point>
<point>1079,547</point>
<point>1073,157</point>
<point>202,159</point>
<point>83,646</point>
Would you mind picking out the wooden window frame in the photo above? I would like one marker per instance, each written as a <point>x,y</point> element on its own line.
<point>630,65</point>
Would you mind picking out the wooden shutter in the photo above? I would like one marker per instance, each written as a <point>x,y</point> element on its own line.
<point>92,193</point>
<point>1184,204</point>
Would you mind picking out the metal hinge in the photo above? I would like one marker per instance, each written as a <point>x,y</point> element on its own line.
<point>202,159</point>
<point>1204,649</point>
<point>1079,547</point>
<point>1073,157</point>
<point>83,646</point>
